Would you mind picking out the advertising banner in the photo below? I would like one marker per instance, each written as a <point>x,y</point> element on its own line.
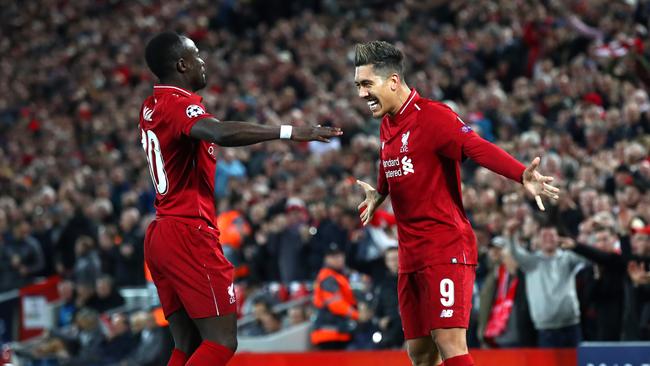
<point>614,354</point>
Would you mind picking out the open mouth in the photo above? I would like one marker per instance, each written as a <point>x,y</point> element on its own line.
<point>373,104</point>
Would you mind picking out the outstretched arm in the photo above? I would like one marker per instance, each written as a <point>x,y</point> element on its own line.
<point>497,160</point>
<point>593,254</point>
<point>231,133</point>
<point>525,259</point>
<point>491,156</point>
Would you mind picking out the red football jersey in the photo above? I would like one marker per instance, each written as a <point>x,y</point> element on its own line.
<point>421,150</point>
<point>182,168</point>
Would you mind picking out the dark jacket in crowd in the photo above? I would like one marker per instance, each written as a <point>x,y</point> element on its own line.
<point>387,306</point>
<point>604,294</point>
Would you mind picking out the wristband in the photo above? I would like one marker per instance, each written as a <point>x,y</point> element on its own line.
<point>285,132</point>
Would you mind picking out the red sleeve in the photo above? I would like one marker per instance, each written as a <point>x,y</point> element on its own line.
<point>448,130</point>
<point>455,140</point>
<point>491,156</point>
<point>185,112</point>
<point>382,183</point>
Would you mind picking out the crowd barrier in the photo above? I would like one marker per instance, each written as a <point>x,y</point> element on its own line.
<point>517,357</point>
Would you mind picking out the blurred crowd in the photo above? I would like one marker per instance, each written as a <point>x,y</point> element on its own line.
<point>120,339</point>
<point>565,80</point>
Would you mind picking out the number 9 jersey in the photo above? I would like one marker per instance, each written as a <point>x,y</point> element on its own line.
<point>182,168</point>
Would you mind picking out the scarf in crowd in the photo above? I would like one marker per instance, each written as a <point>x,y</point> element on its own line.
<point>502,305</point>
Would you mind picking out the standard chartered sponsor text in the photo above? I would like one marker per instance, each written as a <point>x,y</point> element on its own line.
<point>393,173</point>
<point>390,162</point>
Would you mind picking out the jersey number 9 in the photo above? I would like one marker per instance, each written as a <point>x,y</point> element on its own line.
<point>447,292</point>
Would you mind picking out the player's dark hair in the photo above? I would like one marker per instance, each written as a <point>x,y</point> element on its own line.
<point>162,52</point>
<point>383,56</point>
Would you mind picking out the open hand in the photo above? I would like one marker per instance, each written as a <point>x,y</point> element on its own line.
<point>370,203</point>
<point>538,185</point>
<point>315,133</point>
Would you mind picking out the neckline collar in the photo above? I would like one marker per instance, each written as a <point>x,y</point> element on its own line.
<point>409,101</point>
<point>163,89</point>
<point>408,106</point>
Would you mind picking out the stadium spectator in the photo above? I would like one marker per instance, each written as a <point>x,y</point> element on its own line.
<point>604,281</point>
<point>504,318</point>
<point>229,170</point>
<point>106,296</point>
<point>386,310</point>
<point>365,332</point>
<point>109,252</point>
<point>550,287</point>
<point>67,308</point>
<point>336,305</point>
<point>86,342</point>
<point>295,315</point>
<point>9,277</point>
<point>271,322</point>
<point>151,344</point>
<point>87,265</point>
<point>263,320</point>
<point>636,317</point>
<point>119,341</point>
<point>25,253</point>
<point>84,294</point>
<point>77,344</point>
<point>129,267</point>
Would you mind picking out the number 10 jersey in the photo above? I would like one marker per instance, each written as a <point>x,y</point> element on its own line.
<point>182,168</point>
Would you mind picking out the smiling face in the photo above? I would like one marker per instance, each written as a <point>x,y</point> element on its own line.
<point>192,65</point>
<point>377,90</point>
<point>378,77</point>
<point>548,239</point>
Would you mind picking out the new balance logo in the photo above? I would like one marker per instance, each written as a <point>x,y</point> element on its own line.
<point>147,113</point>
<point>447,313</point>
<point>407,165</point>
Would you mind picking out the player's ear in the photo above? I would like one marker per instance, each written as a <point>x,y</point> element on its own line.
<point>394,81</point>
<point>181,65</point>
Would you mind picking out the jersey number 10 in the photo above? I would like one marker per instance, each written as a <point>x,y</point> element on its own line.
<point>151,147</point>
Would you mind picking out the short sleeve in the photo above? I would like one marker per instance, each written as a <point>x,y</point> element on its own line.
<point>185,112</point>
<point>448,130</point>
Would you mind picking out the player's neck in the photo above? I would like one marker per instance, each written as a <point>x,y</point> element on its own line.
<point>402,96</point>
<point>177,82</point>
